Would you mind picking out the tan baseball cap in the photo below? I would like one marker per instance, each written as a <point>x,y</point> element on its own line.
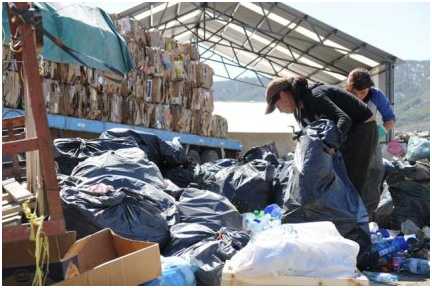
<point>272,92</point>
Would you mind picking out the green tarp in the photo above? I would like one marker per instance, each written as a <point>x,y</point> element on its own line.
<point>87,30</point>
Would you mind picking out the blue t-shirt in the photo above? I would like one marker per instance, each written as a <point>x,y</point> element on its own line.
<point>377,101</point>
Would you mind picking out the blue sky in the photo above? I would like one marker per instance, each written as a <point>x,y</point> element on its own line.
<point>400,28</point>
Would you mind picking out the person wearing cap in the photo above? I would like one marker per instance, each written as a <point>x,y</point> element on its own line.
<point>352,117</point>
<point>360,84</point>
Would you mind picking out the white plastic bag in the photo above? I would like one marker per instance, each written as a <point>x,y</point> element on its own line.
<point>313,249</point>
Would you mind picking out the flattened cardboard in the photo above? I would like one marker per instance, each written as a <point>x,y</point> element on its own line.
<point>105,258</point>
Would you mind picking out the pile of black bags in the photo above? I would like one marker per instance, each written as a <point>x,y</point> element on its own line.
<point>144,188</point>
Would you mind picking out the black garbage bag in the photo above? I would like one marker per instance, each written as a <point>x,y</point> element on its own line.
<point>281,181</point>
<point>163,153</point>
<point>184,235</point>
<point>68,152</point>
<point>409,184</point>
<point>182,176</point>
<point>207,208</point>
<point>265,152</point>
<point>121,168</point>
<point>130,214</point>
<point>318,188</point>
<point>121,190</point>
<point>210,254</point>
<point>206,174</point>
<point>248,186</point>
<point>383,214</point>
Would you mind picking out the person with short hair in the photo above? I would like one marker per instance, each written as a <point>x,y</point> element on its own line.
<point>353,118</point>
<point>359,82</point>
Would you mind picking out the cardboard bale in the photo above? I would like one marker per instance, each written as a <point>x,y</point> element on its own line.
<point>204,76</point>
<point>148,115</point>
<point>140,87</point>
<point>105,258</point>
<point>169,44</point>
<point>95,103</point>
<point>72,99</point>
<point>196,122</point>
<point>116,108</point>
<point>84,102</point>
<point>176,92</point>
<point>18,260</point>
<point>178,71</point>
<point>154,39</point>
<point>202,99</point>
<point>190,51</point>
<point>187,94</point>
<point>166,61</point>
<point>153,61</point>
<point>192,73</point>
<point>219,127</point>
<point>181,119</point>
<point>12,89</point>
<point>162,117</point>
<point>156,90</point>
<point>206,119</point>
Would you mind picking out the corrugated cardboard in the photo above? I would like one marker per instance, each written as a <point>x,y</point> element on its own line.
<point>19,263</point>
<point>105,258</point>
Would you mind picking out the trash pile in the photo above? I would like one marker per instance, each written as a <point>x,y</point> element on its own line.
<point>168,89</point>
<point>400,232</point>
<point>256,214</point>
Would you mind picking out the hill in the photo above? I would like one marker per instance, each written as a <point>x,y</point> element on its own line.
<point>412,94</point>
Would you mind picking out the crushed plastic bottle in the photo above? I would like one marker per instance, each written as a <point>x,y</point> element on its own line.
<point>416,266</point>
<point>386,278</point>
<point>390,246</point>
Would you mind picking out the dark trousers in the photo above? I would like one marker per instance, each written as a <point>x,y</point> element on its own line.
<point>357,151</point>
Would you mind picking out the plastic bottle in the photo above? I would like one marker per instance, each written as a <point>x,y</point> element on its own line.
<point>391,246</point>
<point>381,277</point>
<point>373,227</point>
<point>274,210</point>
<point>416,266</point>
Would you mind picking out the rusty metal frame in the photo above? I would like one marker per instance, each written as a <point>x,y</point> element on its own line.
<point>33,91</point>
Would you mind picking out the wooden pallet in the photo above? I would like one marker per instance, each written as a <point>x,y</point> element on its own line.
<point>230,279</point>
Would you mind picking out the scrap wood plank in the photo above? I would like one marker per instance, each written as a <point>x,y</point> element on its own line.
<point>10,209</point>
<point>17,191</point>
<point>15,220</point>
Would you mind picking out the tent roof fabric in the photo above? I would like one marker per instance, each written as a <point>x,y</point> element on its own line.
<point>269,38</point>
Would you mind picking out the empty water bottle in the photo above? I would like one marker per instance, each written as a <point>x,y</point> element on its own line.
<point>390,246</point>
<point>381,277</point>
<point>416,266</point>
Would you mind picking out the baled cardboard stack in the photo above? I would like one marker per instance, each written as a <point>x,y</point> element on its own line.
<point>168,88</point>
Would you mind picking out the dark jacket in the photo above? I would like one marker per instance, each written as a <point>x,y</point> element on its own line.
<point>333,103</point>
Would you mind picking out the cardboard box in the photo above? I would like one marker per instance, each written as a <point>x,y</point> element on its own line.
<point>105,258</point>
<point>19,262</point>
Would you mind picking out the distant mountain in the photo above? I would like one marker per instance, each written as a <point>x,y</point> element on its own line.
<point>412,94</point>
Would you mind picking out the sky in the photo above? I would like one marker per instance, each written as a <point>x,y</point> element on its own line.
<point>400,28</point>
